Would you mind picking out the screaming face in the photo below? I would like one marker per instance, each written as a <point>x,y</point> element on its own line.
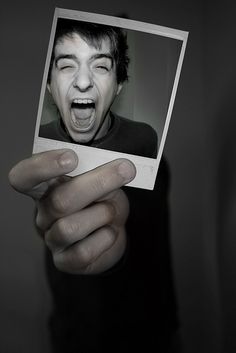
<point>83,85</point>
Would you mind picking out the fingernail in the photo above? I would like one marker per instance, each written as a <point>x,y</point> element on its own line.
<point>127,170</point>
<point>68,159</point>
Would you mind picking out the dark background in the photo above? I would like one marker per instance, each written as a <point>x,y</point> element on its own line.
<point>200,147</point>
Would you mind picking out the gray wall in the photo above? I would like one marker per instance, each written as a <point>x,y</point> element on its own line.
<point>200,148</point>
<point>221,173</point>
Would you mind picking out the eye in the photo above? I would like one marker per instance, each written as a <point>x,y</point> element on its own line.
<point>102,68</point>
<point>66,65</point>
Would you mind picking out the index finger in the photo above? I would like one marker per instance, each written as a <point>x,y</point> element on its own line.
<point>41,167</point>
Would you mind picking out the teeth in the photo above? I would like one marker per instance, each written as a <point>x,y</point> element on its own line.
<point>82,101</point>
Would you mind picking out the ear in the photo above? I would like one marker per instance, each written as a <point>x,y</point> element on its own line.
<point>119,88</point>
<point>49,87</point>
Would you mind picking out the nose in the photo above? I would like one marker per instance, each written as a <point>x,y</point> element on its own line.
<point>83,79</point>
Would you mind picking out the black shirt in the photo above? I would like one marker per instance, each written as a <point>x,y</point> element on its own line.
<point>132,306</point>
<point>124,135</point>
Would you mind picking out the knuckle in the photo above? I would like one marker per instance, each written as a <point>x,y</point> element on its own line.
<point>122,206</point>
<point>11,177</point>
<point>109,211</point>
<point>120,195</point>
<point>58,202</point>
<point>61,227</point>
<point>39,220</point>
<point>60,235</point>
<point>48,240</point>
<point>59,262</point>
<point>66,229</point>
<point>42,219</point>
<point>119,208</point>
<point>77,261</point>
<point>110,234</point>
<point>83,253</point>
<point>82,258</point>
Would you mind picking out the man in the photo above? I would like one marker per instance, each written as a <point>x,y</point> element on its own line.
<point>108,261</point>
<point>88,68</point>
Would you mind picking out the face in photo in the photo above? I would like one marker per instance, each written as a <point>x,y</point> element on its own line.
<point>83,84</point>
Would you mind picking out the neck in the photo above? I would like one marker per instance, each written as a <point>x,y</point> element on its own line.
<point>102,131</point>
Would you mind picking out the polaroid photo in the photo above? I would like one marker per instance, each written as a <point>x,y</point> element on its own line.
<point>108,90</point>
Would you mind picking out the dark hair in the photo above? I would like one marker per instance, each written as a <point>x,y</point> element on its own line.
<point>94,34</point>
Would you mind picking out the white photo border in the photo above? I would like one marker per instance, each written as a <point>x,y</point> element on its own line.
<point>91,157</point>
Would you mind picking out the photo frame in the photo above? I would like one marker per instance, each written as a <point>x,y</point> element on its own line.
<point>156,58</point>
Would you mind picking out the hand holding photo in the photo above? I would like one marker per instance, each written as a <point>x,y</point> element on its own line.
<point>108,90</point>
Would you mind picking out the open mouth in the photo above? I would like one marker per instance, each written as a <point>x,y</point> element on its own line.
<point>83,113</point>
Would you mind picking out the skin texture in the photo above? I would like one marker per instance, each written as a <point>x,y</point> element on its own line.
<point>81,219</point>
<point>82,72</point>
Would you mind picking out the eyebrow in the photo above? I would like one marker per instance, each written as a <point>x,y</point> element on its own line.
<point>93,57</point>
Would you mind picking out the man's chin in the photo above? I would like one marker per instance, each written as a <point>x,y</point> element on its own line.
<point>81,137</point>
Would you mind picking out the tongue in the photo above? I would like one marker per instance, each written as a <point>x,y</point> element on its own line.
<point>82,113</point>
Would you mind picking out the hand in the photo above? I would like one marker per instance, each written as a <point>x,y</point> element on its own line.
<point>82,219</point>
